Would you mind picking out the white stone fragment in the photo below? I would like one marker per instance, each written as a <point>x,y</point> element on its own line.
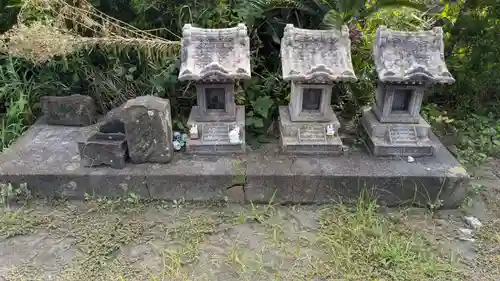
<point>234,136</point>
<point>330,130</point>
<point>473,222</point>
<point>465,231</point>
<point>193,132</point>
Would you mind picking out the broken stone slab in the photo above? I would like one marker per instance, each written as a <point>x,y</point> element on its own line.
<point>113,121</point>
<point>104,149</point>
<point>74,110</point>
<point>148,129</point>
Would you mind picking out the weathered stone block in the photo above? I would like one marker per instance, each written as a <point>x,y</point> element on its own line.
<point>103,149</point>
<point>113,121</point>
<point>74,110</point>
<point>148,128</point>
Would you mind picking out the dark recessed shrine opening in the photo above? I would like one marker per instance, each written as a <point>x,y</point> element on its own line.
<point>215,98</point>
<point>401,101</point>
<point>311,99</point>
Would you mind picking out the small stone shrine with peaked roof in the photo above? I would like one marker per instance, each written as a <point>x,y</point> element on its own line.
<point>313,60</point>
<point>214,59</point>
<point>406,64</point>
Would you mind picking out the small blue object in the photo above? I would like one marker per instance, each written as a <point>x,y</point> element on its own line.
<point>184,137</point>
<point>177,136</point>
<point>177,145</point>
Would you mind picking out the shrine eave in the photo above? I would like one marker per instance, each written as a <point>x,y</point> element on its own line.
<point>322,77</point>
<point>214,74</point>
<point>320,73</point>
<point>416,77</point>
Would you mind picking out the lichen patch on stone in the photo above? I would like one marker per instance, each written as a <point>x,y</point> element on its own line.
<point>457,171</point>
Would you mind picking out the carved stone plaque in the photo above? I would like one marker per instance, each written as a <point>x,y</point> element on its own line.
<point>312,134</point>
<point>402,134</point>
<point>215,133</point>
<point>213,48</point>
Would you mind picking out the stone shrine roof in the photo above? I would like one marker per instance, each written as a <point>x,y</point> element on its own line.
<point>215,54</point>
<point>316,55</point>
<point>411,57</point>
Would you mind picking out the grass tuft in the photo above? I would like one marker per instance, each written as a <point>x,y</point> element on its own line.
<point>365,245</point>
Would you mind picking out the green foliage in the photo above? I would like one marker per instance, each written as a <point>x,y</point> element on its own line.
<point>261,97</point>
<point>477,137</point>
<point>473,48</point>
<point>20,91</point>
<point>8,12</point>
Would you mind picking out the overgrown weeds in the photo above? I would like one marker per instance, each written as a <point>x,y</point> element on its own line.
<point>19,94</point>
<point>233,243</point>
<point>369,246</point>
<point>476,137</point>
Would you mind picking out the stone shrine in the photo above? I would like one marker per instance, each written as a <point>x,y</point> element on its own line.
<point>313,60</point>
<point>214,59</point>
<point>406,64</point>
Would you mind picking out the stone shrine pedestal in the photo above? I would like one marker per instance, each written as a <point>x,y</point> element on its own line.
<point>213,136</point>
<point>398,139</point>
<point>308,137</point>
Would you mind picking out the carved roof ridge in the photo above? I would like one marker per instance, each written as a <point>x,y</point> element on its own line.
<point>411,56</point>
<point>316,55</point>
<point>215,54</point>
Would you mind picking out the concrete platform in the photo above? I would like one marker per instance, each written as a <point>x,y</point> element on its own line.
<point>46,158</point>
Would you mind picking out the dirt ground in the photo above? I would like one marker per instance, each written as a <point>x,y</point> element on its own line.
<point>129,239</point>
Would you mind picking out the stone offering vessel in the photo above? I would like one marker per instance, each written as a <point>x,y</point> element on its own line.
<point>313,60</point>
<point>214,59</point>
<point>406,64</point>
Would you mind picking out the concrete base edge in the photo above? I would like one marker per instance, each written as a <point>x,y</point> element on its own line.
<point>46,158</point>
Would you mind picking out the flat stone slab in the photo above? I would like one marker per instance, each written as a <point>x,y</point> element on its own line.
<point>46,158</point>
